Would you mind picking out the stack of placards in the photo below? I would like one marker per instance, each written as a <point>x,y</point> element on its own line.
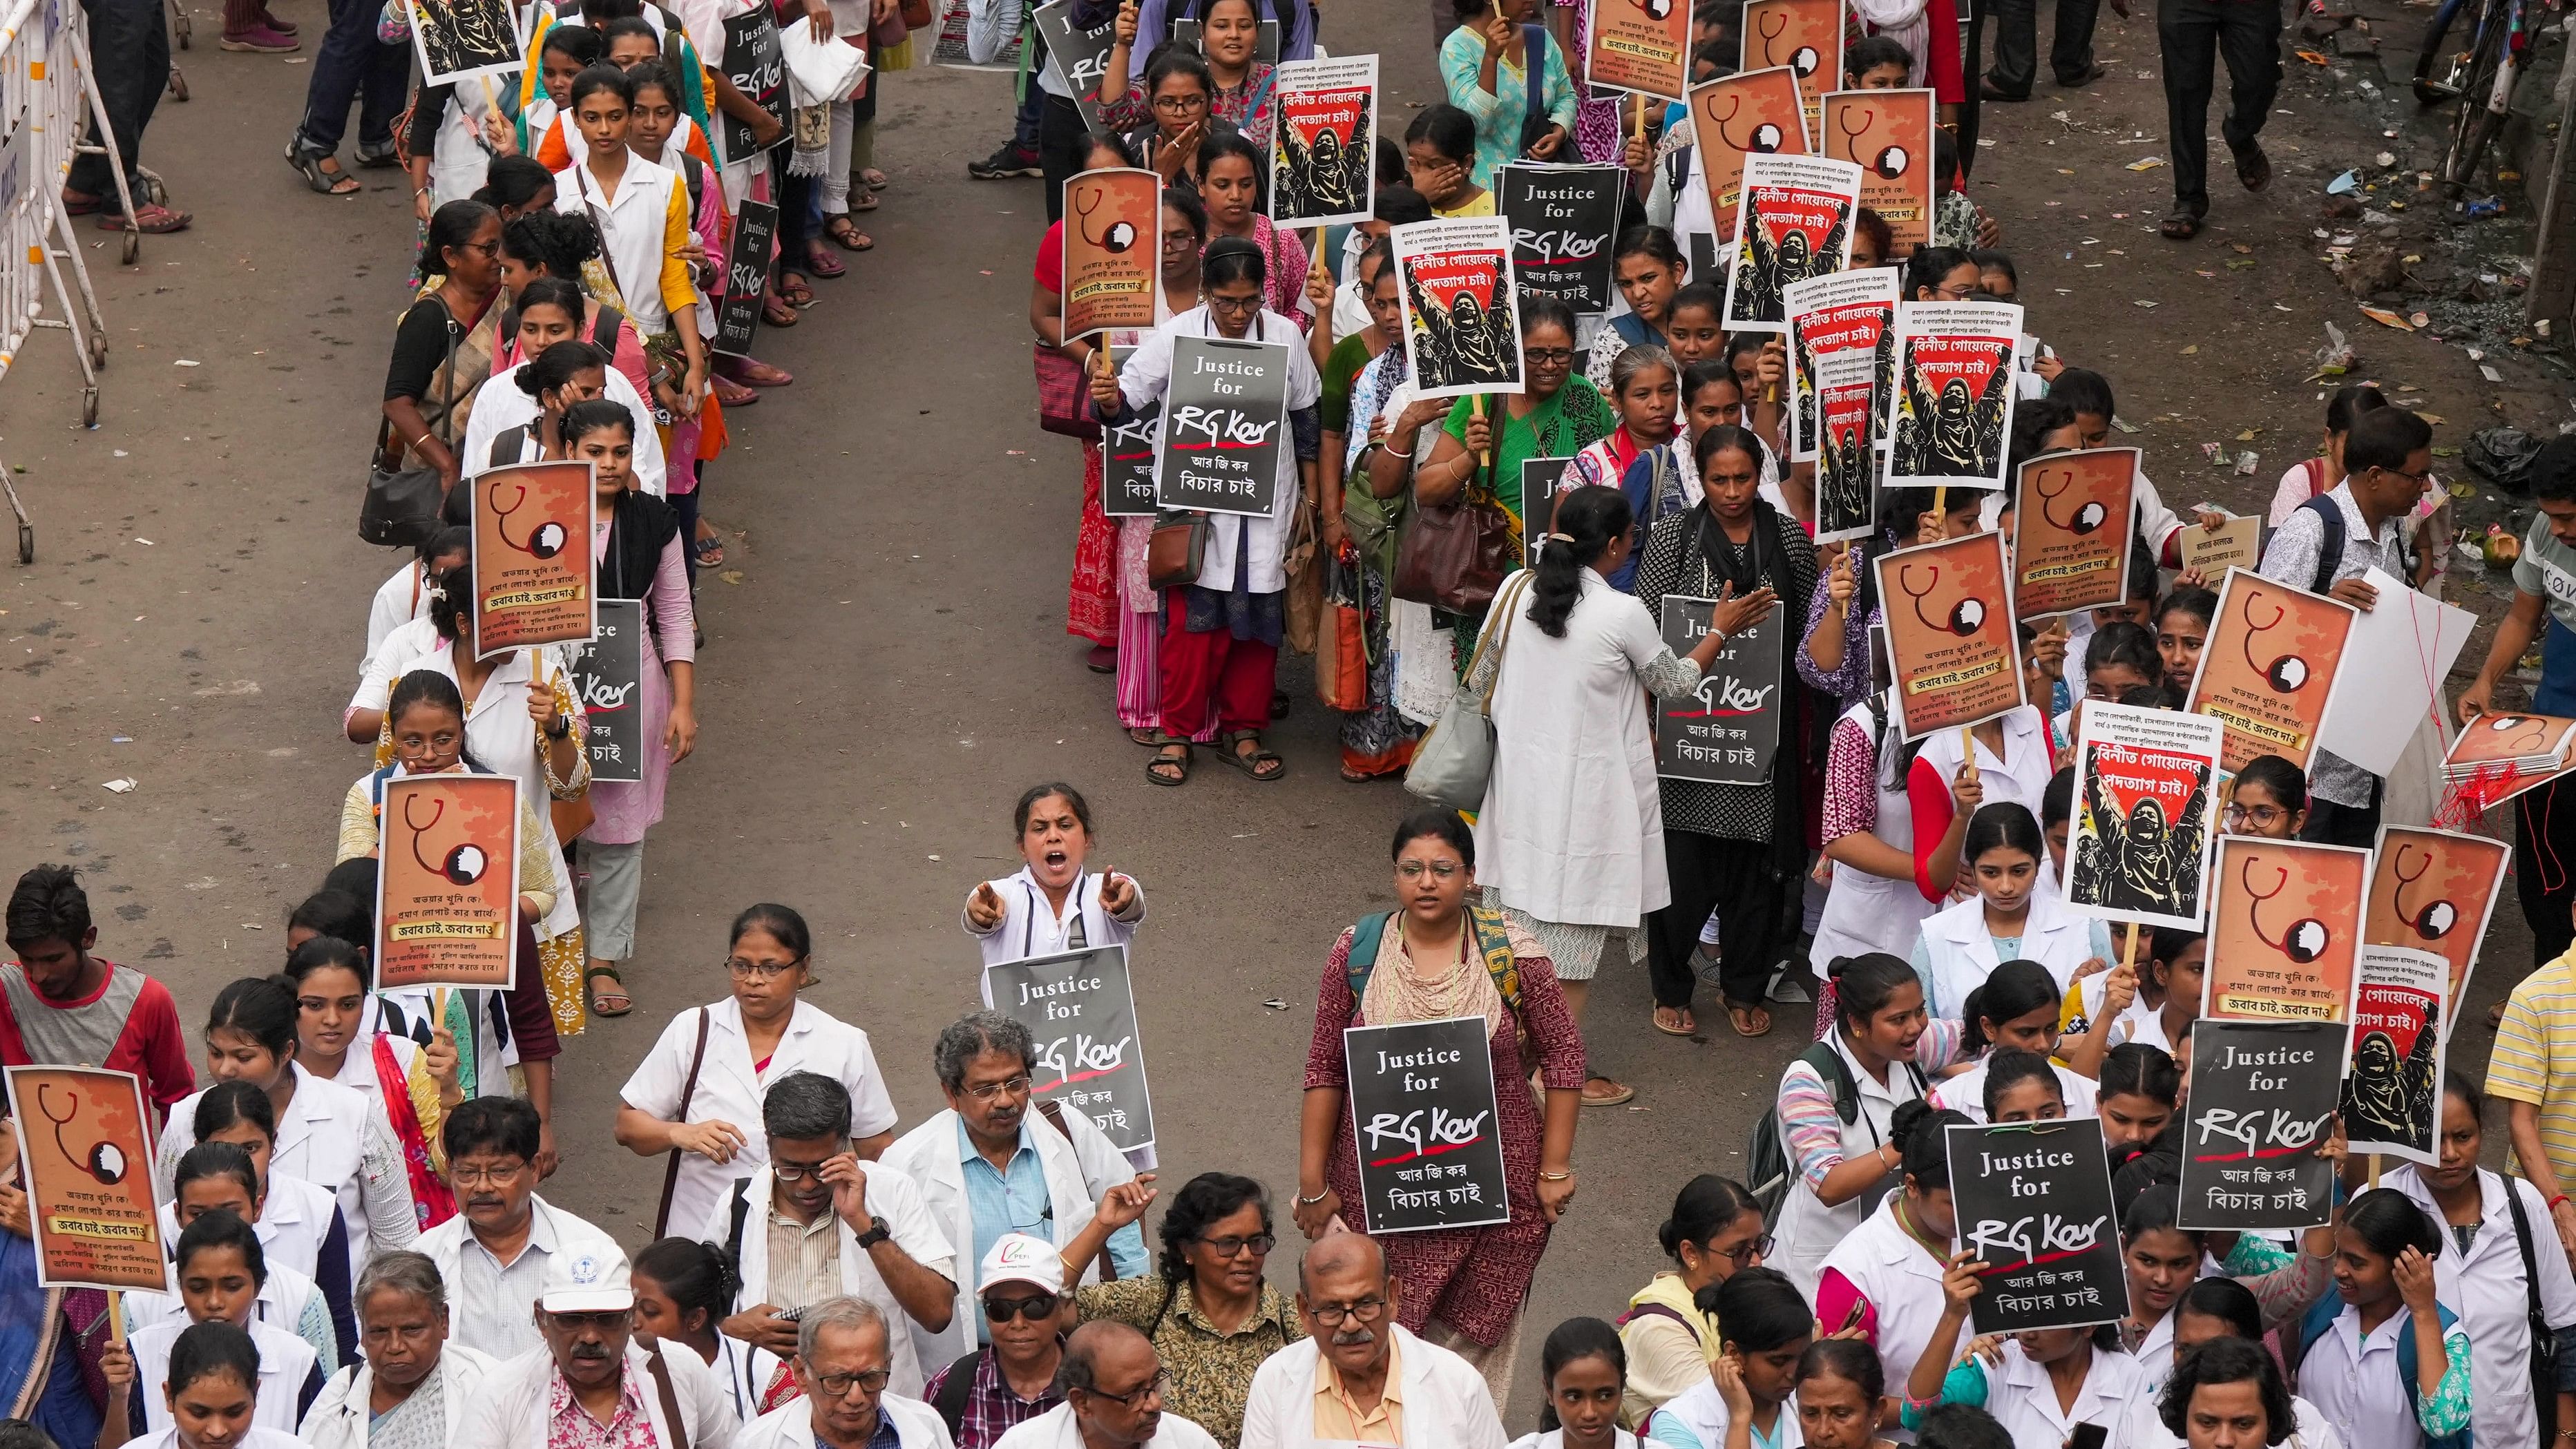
<point>2501,755</point>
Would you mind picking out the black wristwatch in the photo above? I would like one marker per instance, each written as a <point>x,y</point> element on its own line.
<point>558,727</point>
<point>877,1232</point>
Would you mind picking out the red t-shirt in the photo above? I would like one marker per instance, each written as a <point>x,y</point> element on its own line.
<point>1050,267</point>
<point>144,1039</point>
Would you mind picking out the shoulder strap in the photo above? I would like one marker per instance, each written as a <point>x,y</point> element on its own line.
<point>1534,64</point>
<point>955,1389</point>
<point>671,1419</point>
<point>1838,1079</point>
<point>1363,958</point>
<point>1499,635</point>
<point>671,1170</point>
<point>2329,552</point>
<point>604,331</point>
<point>1659,1310</point>
<point>507,445</point>
<point>741,1211</point>
<point>2540,1330</point>
<point>1494,943</point>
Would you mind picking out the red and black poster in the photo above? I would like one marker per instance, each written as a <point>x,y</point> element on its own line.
<point>1888,134</point>
<point>1424,1118</point>
<point>2146,816</point>
<point>1322,141</point>
<point>1750,113</point>
<point>2269,668</point>
<point>1950,415</point>
<point>1846,312</point>
<point>1793,224</point>
<point>2286,932</point>
<point>2432,890</point>
<point>2392,1092</point>
<point>1955,654</point>
<point>1461,324</point>
<point>1845,399</point>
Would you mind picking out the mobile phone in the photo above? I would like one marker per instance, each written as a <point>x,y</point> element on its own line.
<point>2087,1436</point>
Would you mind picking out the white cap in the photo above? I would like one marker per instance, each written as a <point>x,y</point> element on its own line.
<point>1019,1258</point>
<point>586,1281</point>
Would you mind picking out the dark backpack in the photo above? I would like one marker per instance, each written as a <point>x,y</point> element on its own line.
<point>2330,550</point>
<point>1766,1152</point>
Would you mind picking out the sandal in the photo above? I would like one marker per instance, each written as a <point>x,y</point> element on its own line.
<point>77,204</point>
<point>148,219</point>
<point>1741,1016</point>
<point>329,180</point>
<point>751,372</point>
<point>823,264</point>
<point>1617,1093</point>
<point>1148,738</point>
<point>731,393</point>
<point>379,159</point>
<point>1101,659</point>
<point>846,235</point>
<point>794,289</point>
<point>1177,765</point>
<point>1683,1022</point>
<point>875,179</point>
<point>1251,761</point>
<point>2179,225</point>
<point>777,311</point>
<point>862,199</point>
<point>709,552</point>
<point>599,998</point>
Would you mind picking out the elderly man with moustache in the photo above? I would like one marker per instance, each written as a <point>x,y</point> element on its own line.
<point>1359,1375</point>
<point>842,1367</point>
<point>1113,1398</point>
<point>589,1385</point>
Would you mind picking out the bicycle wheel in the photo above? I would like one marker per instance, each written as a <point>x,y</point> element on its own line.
<point>2475,128</point>
<point>2436,70</point>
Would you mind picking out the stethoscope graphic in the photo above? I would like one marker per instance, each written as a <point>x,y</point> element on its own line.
<point>2086,519</point>
<point>1803,60</point>
<point>1966,616</point>
<point>462,866</point>
<point>2307,938</point>
<point>1117,239</point>
<point>1656,10</point>
<point>549,537</point>
<point>105,1161</point>
<point>2288,672</point>
<point>1766,137</point>
<point>2537,736</point>
<point>1889,163</point>
<point>2438,916</point>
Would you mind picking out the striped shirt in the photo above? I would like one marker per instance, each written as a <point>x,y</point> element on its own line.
<point>1812,1133</point>
<point>2524,1068</point>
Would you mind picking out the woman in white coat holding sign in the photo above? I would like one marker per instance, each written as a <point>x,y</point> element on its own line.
<point>1051,906</point>
<point>1219,659</point>
<point>2011,917</point>
<point>697,1094</point>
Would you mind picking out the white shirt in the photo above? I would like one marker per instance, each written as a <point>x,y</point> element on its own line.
<point>2023,1400</point>
<point>499,1325</point>
<point>340,1417</point>
<point>632,238</point>
<point>333,1138</point>
<point>791,1425</point>
<point>285,1363</point>
<point>399,599</point>
<point>2485,1286</point>
<point>502,405</point>
<point>1899,1279</point>
<point>1144,381</point>
<point>1446,1403</point>
<point>1809,1231</point>
<point>1030,927</point>
<point>259,1436</point>
<point>2020,776</point>
<point>1555,1439</point>
<point>1055,1429</point>
<point>1960,953</point>
<point>294,1222</point>
<point>288,1300</point>
<point>730,1088</point>
<point>510,1413</point>
<point>1966,1092</point>
<point>892,1196</point>
<point>1697,1418</point>
<point>2353,1381</point>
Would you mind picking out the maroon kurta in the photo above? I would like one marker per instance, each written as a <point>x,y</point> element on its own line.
<point>1472,1279</point>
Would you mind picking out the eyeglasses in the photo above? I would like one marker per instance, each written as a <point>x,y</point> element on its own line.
<point>1365,1310</point>
<point>1440,869</point>
<point>761,970</point>
<point>1233,304</point>
<point>462,1175</point>
<point>1177,105</point>
<point>489,249</point>
<point>796,1171</point>
<point>2263,815</point>
<point>2418,479</point>
<point>1033,1307</point>
<point>836,1386</point>
<point>1150,1388</point>
<point>1016,1086</point>
<point>1259,1243</point>
<point>1953,294</point>
<point>1743,1254</point>
<point>1549,356</point>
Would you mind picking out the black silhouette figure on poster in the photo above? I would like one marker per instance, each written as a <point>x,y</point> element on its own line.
<point>1842,479</point>
<point>462,37</point>
<point>1327,177</point>
<point>1468,341</point>
<point>2143,860</point>
<point>1775,266</point>
<point>2389,1098</point>
<point>1955,433</point>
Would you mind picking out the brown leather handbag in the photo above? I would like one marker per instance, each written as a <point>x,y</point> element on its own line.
<point>1178,549</point>
<point>1454,557</point>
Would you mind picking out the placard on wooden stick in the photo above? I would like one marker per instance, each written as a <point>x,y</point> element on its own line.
<point>85,1159</point>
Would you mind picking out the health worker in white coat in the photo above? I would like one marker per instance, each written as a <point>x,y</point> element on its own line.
<point>214,1381</point>
<point>1754,1381</point>
<point>1048,1158</point>
<point>843,1401</point>
<point>1885,1277</point>
<point>1113,1395</point>
<point>1873,902</point>
<point>2025,1383</point>
<point>1583,1372</point>
<point>697,1094</point>
<point>2211,1308</point>
<point>413,1386</point>
<point>1051,906</point>
<point>2009,918</point>
<point>1332,1385</point>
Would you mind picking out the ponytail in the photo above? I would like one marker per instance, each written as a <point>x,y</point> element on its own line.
<point>1587,522</point>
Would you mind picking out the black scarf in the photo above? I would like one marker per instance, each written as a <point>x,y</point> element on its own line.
<point>640,527</point>
<point>1762,555</point>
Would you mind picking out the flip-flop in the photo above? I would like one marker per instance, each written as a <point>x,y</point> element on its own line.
<point>1101,659</point>
<point>753,373</point>
<point>148,219</point>
<point>1619,1093</point>
<point>822,264</point>
<point>709,552</point>
<point>862,199</point>
<point>731,393</point>
<point>620,992</point>
<point>876,180</point>
<point>1658,1019</point>
<point>777,311</point>
<point>794,290</point>
<point>2179,226</point>
<point>1737,1015</point>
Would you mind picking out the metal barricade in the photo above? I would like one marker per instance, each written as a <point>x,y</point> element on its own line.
<point>48,95</point>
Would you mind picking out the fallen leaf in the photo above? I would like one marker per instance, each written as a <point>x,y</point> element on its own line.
<point>2192,351</point>
<point>2247,436</point>
<point>2386,318</point>
<point>2149,163</point>
<point>731,576</point>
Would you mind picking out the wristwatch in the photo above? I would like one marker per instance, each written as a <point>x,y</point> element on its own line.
<point>877,1232</point>
<point>558,727</point>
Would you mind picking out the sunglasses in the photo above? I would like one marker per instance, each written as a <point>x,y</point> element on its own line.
<point>1035,1306</point>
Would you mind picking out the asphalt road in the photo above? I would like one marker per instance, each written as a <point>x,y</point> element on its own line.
<point>886,666</point>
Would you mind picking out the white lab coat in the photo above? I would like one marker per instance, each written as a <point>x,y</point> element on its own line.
<point>2146,1428</point>
<point>285,1363</point>
<point>1966,1092</point>
<point>891,1196</point>
<point>2486,1287</point>
<point>1962,954</point>
<point>1572,828</point>
<point>1446,1404</point>
<point>730,1089</point>
<point>1055,1429</point>
<point>2353,1380</point>
<point>1144,380</point>
<point>1077,1171</point>
<point>744,1372</point>
<point>1865,912</point>
<point>2020,776</point>
<point>339,1418</point>
<point>288,1300</point>
<point>294,1223</point>
<point>1808,1230</point>
<point>631,241</point>
<point>257,1437</point>
<point>2023,1400</point>
<point>791,1425</point>
<point>1899,1279</point>
<point>333,1138</point>
<point>399,599</point>
<point>510,1412</point>
<point>501,406</point>
<point>1700,1412</point>
<point>1029,927</point>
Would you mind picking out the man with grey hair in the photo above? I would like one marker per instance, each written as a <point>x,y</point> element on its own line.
<point>1113,1398</point>
<point>989,1166</point>
<point>1359,1375</point>
<point>414,1384</point>
<point>841,1368</point>
<point>814,1223</point>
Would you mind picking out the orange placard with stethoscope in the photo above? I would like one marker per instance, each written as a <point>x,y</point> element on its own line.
<point>2435,891</point>
<point>1951,640</point>
<point>2284,931</point>
<point>1804,35</point>
<point>1888,134</point>
<point>85,1156</point>
<point>447,890</point>
<point>1112,272</point>
<point>2268,670</point>
<point>1751,112</point>
<point>532,524</point>
<point>1639,46</point>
